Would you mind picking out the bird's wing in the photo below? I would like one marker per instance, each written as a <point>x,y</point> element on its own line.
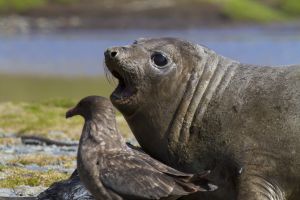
<point>165,168</point>
<point>133,147</point>
<point>138,151</point>
<point>132,177</point>
<point>187,180</point>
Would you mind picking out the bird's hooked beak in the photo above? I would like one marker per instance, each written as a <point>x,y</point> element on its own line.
<point>71,112</point>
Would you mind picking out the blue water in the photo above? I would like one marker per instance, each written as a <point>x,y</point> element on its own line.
<point>81,52</point>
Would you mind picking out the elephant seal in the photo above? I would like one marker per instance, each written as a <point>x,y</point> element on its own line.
<point>205,111</point>
<point>112,171</point>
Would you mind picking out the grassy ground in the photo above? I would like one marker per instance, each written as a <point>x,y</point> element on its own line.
<point>43,160</point>
<point>16,176</point>
<point>39,118</point>
<point>37,105</point>
<point>45,119</point>
<point>249,10</point>
<point>25,5</point>
<point>26,88</point>
<point>232,10</point>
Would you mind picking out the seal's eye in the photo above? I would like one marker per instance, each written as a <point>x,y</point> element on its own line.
<point>159,59</point>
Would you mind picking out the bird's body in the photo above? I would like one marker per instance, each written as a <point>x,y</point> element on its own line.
<point>111,170</point>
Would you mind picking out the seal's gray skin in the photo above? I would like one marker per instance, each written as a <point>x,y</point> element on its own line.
<point>112,170</point>
<point>205,111</point>
<point>71,189</point>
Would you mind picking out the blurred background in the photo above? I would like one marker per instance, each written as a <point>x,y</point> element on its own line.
<point>54,48</point>
<point>51,55</point>
<point>51,51</point>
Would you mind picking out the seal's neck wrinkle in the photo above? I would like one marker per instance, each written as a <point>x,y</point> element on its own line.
<point>205,84</point>
<point>178,119</point>
<point>211,74</point>
<point>219,80</point>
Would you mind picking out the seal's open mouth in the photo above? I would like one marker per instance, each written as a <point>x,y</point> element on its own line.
<point>124,91</point>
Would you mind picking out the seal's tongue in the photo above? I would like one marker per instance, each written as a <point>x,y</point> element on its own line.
<point>122,91</point>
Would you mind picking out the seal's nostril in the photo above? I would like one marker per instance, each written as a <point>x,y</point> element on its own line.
<point>113,54</point>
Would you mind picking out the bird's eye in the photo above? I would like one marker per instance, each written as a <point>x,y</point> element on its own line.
<point>159,59</point>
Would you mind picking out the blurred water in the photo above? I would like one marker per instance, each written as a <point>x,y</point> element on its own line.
<point>81,52</point>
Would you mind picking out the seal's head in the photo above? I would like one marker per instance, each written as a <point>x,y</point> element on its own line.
<point>153,75</point>
<point>143,68</point>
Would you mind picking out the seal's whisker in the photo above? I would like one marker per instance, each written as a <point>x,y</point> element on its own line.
<point>109,77</point>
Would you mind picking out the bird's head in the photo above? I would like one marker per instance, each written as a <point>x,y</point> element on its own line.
<point>90,107</point>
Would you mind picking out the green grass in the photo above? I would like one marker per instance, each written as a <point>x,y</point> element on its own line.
<point>43,160</point>
<point>240,10</point>
<point>37,105</point>
<point>16,176</point>
<point>27,5</point>
<point>20,5</point>
<point>291,7</point>
<point>42,118</point>
<point>64,2</point>
<point>39,119</point>
<point>249,10</point>
<point>28,88</point>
